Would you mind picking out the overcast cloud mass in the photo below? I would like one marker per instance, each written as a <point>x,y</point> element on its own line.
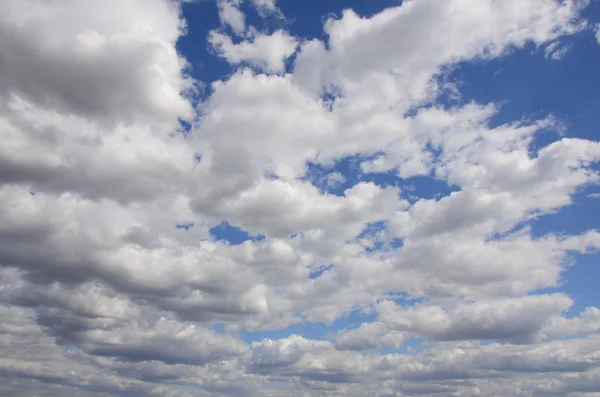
<point>272,209</point>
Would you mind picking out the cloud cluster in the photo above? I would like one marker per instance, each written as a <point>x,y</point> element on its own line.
<point>104,293</point>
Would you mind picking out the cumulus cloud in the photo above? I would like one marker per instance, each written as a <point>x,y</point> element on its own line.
<point>266,52</point>
<point>517,320</point>
<point>111,283</point>
<point>268,4</point>
<point>106,69</point>
<point>231,15</point>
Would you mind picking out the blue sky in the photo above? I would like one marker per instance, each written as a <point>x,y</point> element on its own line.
<point>299,198</point>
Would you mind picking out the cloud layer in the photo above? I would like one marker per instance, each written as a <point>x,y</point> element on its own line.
<point>111,283</point>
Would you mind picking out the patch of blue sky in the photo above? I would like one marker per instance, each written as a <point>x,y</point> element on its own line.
<point>188,388</point>
<point>197,159</point>
<point>426,187</point>
<point>320,331</point>
<point>316,331</point>
<point>319,272</point>
<point>404,299</point>
<point>349,167</point>
<point>528,84</point>
<point>310,15</point>
<point>571,337</point>
<point>185,226</point>
<point>372,229</point>
<point>329,97</point>
<point>396,243</point>
<point>374,232</point>
<point>204,66</point>
<point>580,282</point>
<point>410,346</point>
<point>575,218</point>
<point>185,127</point>
<point>231,234</point>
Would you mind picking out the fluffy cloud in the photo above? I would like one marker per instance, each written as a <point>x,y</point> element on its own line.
<point>111,283</point>
<point>108,69</point>
<point>517,320</point>
<point>266,52</point>
<point>231,15</point>
<point>268,4</point>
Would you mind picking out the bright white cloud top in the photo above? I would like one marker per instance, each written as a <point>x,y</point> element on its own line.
<point>117,164</point>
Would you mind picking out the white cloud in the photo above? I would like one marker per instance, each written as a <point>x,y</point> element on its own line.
<point>517,320</point>
<point>268,4</point>
<point>95,177</point>
<point>587,323</point>
<point>231,15</point>
<point>370,336</point>
<point>334,179</point>
<point>110,69</point>
<point>268,8</point>
<point>266,52</point>
<point>363,48</point>
<point>556,51</point>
